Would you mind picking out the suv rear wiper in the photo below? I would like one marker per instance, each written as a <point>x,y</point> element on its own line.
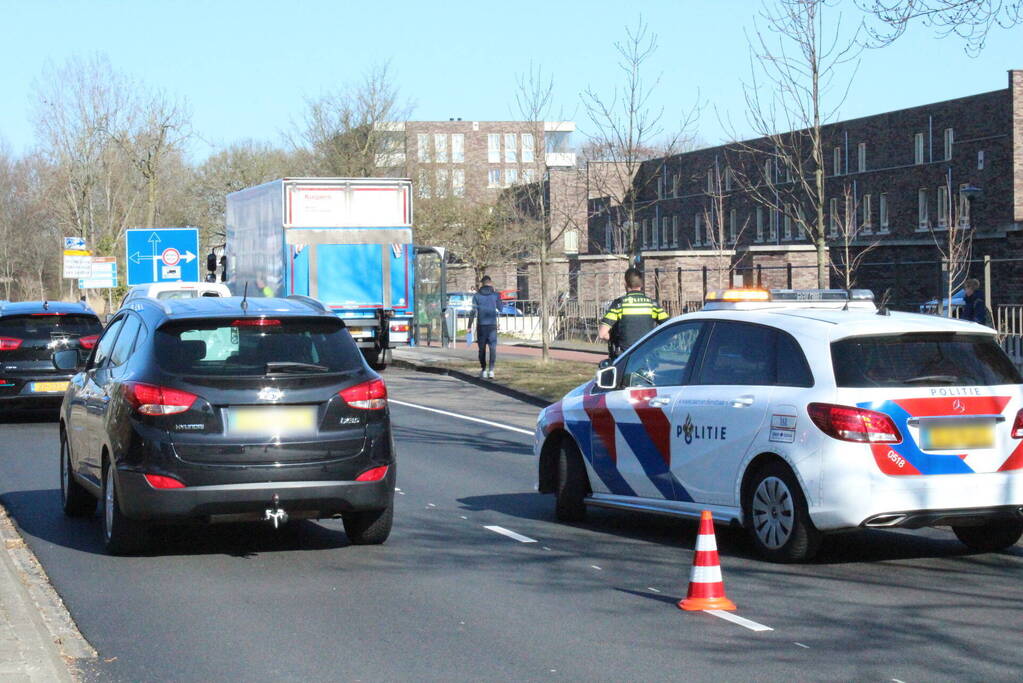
<point>290,366</point>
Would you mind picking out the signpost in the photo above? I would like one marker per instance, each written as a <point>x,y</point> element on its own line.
<point>77,263</point>
<point>74,243</point>
<point>162,255</point>
<point>103,274</point>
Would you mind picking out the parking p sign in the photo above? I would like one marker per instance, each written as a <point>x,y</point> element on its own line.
<point>162,255</point>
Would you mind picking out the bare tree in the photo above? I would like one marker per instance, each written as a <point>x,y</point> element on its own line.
<point>626,127</point>
<point>348,132</point>
<point>723,229</point>
<point>852,239</point>
<point>953,238</point>
<point>795,61</point>
<point>970,20</point>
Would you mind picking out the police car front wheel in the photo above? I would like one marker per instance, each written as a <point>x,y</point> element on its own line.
<point>573,485</point>
<point>777,518</point>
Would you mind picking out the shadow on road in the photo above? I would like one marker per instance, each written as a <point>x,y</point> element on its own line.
<point>37,416</point>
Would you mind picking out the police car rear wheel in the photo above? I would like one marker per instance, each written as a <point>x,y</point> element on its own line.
<point>573,486</point>
<point>777,518</point>
<point>992,536</point>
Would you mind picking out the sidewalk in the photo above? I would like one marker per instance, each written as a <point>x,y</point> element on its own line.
<point>28,647</point>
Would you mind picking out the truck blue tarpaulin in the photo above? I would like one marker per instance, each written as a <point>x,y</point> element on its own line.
<point>344,241</point>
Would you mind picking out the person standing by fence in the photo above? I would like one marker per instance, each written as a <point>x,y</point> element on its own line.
<point>973,302</point>
<point>629,317</point>
<point>486,304</point>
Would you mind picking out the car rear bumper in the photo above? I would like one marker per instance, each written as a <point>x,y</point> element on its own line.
<point>315,499</point>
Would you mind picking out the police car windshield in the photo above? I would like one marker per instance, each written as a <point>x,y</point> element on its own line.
<point>921,359</point>
<point>251,347</point>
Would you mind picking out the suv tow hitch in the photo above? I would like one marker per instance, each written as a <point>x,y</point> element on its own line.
<point>276,514</point>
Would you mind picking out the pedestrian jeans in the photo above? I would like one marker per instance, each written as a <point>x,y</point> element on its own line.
<point>486,335</point>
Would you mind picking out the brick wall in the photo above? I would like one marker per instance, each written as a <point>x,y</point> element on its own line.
<point>1016,93</point>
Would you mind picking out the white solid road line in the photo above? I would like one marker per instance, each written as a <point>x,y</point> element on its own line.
<point>735,619</point>
<point>510,534</point>
<point>519,430</point>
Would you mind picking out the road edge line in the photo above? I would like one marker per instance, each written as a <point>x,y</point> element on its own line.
<point>52,610</point>
<point>469,418</point>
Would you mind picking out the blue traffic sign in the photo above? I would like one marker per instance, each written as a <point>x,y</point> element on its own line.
<point>162,255</point>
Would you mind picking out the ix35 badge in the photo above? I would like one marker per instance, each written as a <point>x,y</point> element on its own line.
<point>270,394</point>
<point>692,431</point>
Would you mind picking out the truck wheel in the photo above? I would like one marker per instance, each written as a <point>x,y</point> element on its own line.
<point>573,485</point>
<point>992,536</point>
<point>777,518</point>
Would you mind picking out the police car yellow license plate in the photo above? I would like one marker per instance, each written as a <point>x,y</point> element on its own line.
<point>942,437</point>
<point>272,420</point>
<point>47,387</point>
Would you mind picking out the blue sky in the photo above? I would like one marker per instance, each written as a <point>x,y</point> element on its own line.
<point>246,68</point>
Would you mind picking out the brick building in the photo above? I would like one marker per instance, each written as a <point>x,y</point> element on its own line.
<point>894,182</point>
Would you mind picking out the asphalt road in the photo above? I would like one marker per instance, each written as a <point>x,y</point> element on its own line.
<point>448,599</point>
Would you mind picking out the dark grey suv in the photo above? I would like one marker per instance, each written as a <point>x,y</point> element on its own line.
<point>226,410</point>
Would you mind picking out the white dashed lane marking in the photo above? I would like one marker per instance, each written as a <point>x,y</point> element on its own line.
<point>510,534</point>
<point>736,619</point>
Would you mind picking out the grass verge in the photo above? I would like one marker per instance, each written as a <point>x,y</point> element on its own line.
<point>550,380</point>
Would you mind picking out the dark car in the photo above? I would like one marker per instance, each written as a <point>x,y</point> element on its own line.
<point>30,331</point>
<point>222,409</point>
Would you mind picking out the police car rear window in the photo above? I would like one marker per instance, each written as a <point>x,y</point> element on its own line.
<point>921,360</point>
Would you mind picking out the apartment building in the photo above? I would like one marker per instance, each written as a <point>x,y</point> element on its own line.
<point>894,183</point>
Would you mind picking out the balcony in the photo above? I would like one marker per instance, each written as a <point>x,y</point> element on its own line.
<point>559,159</point>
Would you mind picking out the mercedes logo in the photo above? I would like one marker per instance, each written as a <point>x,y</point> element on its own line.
<point>958,406</point>
<point>270,394</point>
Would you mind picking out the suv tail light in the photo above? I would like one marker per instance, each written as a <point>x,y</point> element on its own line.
<point>853,424</point>
<point>1017,426</point>
<point>371,395</point>
<point>150,399</point>
<point>88,342</point>
<point>9,343</point>
<point>159,481</point>
<point>375,474</point>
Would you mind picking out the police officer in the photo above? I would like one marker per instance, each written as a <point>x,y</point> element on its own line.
<point>630,316</point>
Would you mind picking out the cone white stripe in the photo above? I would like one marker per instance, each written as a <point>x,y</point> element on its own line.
<point>706,574</point>
<point>706,542</point>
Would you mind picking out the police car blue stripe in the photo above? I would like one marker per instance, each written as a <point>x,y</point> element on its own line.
<point>653,464</point>
<point>600,460</point>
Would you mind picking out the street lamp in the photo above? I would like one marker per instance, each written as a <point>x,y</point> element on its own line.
<point>970,192</point>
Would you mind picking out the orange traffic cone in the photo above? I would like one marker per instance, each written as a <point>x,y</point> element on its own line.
<point>706,588</point>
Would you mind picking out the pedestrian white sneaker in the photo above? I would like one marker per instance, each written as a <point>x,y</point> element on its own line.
<point>483,374</point>
<point>490,374</point>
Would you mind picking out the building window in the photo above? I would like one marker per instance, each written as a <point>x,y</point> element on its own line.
<point>608,237</point>
<point>918,148</point>
<point>949,139</point>
<point>674,185</point>
<point>921,201</point>
<point>964,208</point>
<point>733,226</point>
<point>674,230</point>
<point>697,228</point>
<point>775,220</point>
<point>424,184</point>
<point>494,148</point>
<point>654,225</point>
<point>458,182</point>
<point>457,148</point>
<point>440,145</point>
<point>494,177</point>
<point>980,160</point>
<point>837,154</point>
<point>788,171</point>
<point>442,182</point>
<point>664,232</point>
<point>833,223</point>
<point>760,224</point>
<point>527,148</point>
<point>571,241</point>
<point>728,179</point>
<point>423,147</point>
<point>660,187</point>
<point>510,152</point>
<point>861,157</point>
<point>788,222</point>
<point>882,211</point>
<point>710,181</point>
<point>767,172</point>
<point>942,206</point>
<point>528,175</point>
<point>868,213</point>
<point>511,176</point>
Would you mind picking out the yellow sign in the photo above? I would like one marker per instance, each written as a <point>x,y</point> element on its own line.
<point>77,252</point>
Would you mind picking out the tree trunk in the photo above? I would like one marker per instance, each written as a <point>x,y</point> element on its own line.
<point>151,201</point>
<point>545,333</point>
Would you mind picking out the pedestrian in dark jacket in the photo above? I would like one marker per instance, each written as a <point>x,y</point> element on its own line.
<point>973,302</point>
<point>486,304</point>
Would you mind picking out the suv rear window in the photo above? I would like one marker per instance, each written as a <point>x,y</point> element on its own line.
<point>921,359</point>
<point>238,347</point>
<point>43,325</point>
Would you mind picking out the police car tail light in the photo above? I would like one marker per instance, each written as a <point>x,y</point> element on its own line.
<point>9,343</point>
<point>150,399</point>
<point>371,395</point>
<point>1017,426</point>
<point>847,423</point>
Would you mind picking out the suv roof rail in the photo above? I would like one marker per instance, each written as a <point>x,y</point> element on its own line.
<point>309,301</point>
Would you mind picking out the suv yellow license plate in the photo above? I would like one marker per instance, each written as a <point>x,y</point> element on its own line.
<point>968,435</point>
<point>272,421</point>
<point>48,387</point>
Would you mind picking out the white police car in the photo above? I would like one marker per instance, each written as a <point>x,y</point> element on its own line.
<point>796,413</point>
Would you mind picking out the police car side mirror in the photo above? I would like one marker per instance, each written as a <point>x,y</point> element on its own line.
<point>65,360</point>
<point>607,378</point>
